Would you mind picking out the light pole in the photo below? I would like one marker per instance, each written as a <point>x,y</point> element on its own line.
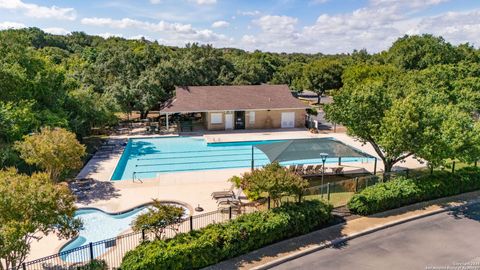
<point>323,156</point>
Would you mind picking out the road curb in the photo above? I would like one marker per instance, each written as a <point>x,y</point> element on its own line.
<point>341,240</point>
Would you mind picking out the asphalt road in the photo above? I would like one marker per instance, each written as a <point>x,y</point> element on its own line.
<point>447,239</point>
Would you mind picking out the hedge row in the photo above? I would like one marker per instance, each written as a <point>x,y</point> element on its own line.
<point>218,242</point>
<point>402,191</point>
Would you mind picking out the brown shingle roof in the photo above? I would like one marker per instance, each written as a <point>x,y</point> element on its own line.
<point>234,97</point>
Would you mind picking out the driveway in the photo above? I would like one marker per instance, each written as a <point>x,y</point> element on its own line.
<point>444,240</point>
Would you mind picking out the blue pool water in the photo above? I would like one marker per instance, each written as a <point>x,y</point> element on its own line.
<point>98,226</point>
<point>148,157</point>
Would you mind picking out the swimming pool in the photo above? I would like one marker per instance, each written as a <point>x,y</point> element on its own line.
<point>147,157</point>
<point>99,225</point>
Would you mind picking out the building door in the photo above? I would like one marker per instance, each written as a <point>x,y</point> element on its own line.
<point>228,121</point>
<point>240,120</point>
<point>288,120</point>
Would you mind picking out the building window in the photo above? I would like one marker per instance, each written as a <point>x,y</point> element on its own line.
<point>216,118</point>
<point>251,118</point>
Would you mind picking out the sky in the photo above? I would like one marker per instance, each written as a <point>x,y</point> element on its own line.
<point>310,26</point>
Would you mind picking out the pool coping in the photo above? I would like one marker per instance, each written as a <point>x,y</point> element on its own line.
<point>59,249</point>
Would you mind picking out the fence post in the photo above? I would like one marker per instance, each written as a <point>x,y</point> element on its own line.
<point>191,223</point>
<point>143,234</point>
<point>328,191</point>
<point>453,166</point>
<point>230,213</point>
<point>91,251</point>
<point>356,184</point>
<point>24,266</point>
<point>268,202</point>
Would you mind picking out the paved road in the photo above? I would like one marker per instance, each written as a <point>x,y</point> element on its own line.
<point>437,241</point>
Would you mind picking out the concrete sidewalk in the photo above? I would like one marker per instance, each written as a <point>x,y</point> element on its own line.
<point>299,246</point>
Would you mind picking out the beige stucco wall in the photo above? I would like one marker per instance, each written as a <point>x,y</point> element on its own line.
<point>264,119</point>
<point>211,126</point>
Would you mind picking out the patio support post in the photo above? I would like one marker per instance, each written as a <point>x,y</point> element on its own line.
<point>167,124</point>
<point>375,167</point>
<point>339,161</point>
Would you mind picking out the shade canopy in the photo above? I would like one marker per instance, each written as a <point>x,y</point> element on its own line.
<point>301,149</point>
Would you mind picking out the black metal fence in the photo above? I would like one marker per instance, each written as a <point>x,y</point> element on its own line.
<point>112,250</point>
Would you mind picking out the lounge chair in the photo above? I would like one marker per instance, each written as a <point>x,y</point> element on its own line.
<point>228,201</point>
<point>308,170</point>
<point>292,168</point>
<point>317,169</point>
<point>223,194</point>
<point>299,169</point>
<point>337,170</point>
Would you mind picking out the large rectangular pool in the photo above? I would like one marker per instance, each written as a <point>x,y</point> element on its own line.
<point>147,157</point>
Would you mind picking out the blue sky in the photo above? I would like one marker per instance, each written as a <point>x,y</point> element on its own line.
<point>327,26</point>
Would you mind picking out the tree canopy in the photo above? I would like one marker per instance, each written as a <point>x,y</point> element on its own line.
<point>32,206</point>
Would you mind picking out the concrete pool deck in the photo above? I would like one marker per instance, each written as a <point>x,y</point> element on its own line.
<point>192,188</point>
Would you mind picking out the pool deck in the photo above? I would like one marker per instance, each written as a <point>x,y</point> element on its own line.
<point>191,188</point>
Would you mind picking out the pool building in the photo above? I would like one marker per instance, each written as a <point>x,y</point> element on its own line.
<point>238,106</point>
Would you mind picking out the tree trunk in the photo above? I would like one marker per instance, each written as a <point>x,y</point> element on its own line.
<point>143,114</point>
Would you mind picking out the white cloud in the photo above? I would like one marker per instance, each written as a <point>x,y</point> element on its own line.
<point>56,30</point>
<point>249,13</point>
<point>36,11</point>
<point>220,24</point>
<point>205,2</point>
<point>11,25</point>
<point>155,1</point>
<point>373,27</point>
<point>173,33</point>
<point>109,35</point>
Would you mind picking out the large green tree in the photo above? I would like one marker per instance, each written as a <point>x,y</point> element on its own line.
<point>31,207</point>
<point>401,115</point>
<point>322,75</point>
<point>54,150</point>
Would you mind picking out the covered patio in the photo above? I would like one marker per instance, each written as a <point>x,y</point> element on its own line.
<point>315,151</point>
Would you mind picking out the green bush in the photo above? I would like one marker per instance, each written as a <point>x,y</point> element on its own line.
<point>218,242</point>
<point>402,191</point>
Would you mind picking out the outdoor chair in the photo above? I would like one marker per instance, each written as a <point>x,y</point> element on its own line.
<point>299,169</point>
<point>223,194</point>
<point>337,170</point>
<point>308,170</point>
<point>292,168</point>
<point>228,201</point>
<point>317,170</point>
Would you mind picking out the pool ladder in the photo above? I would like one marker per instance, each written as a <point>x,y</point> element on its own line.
<point>136,178</point>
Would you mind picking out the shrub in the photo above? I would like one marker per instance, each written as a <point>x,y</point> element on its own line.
<point>158,219</point>
<point>402,191</point>
<point>272,180</point>
<point>218,242</point>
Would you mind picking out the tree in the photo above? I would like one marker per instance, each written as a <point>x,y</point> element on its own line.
<point>402,115</point>
<point>272,180</point>
<point>322,75</point>
<point>420,52</point>
<point>290,74</point>
<point>54,150</point>
<point>32,206</point>
<point>158,219</point>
